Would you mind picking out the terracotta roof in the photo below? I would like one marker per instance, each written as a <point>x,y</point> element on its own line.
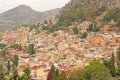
<point>106,27</point>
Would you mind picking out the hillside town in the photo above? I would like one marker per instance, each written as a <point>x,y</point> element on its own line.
<point>66,50</point>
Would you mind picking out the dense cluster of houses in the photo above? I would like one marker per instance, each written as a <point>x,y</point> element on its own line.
<point>65,50</point>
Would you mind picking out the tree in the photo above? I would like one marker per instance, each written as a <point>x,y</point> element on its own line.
<point>2,45</point>
<point>75,30</point>
<point>62,76</point>
<point>84,35</point>
<point>15,60</point>
<point>26,75</point>
<point>52,74</point>
<point>2,74</point>
<point>3,53</point>
<point>118,57</point>
<point>100,10</point>
<point>20,47</point>
<point>57,72</point>
<point>30,49</point>
<point>112,14</point>
<point>110,64</point>
<point>95,71</point>
<point>15,75</point>
<point>33,27</point>
<point>75,75</point>
<point>8,66</point>
<point>90,28</point>
<point>15,46</point>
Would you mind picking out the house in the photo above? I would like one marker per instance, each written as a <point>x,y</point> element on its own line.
<point>106,27</point>
<point>97,41</point>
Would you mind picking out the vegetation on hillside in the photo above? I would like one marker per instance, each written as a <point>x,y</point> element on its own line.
<point>79,10</point>
<point>95,71</point>
<point>113,14</point>
<point>87,10</point>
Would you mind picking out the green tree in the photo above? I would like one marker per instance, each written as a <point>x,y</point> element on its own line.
<point>15,46</point>
<point>15,75</point>
<point>112,14</point>
<point>33,27</point>
<point>84,35</point>
<point>90,28</point>
<point>2,76</point>
<point>2,73</point>
<point>57,72</point>
<point>75,75</point>
<point>15,60</point>
<point>118,57</point>
<point>8,66</point>
<point>62,76</point>
<point>93,27</point>
<point>20,47</point>
<point>96,71</point>
<point>3,53</point>
<point>100,10</point>
<point>75,30</point>
<point>30,49</point>
<point>110,64</point>
<point>2,45</point>
<point>26,75</point>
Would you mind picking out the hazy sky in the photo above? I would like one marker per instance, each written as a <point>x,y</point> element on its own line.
<point>39,5</point>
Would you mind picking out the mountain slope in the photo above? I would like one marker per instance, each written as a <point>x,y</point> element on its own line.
<point>82,10</point>
<point>23,15</point>
<point>87,9</point>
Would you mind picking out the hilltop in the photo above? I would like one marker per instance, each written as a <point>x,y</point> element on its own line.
<point>23,14</point>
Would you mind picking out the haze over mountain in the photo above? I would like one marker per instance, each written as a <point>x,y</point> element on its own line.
<point>23,14</point>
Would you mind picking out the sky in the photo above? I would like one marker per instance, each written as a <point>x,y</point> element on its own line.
<point>38,5</point>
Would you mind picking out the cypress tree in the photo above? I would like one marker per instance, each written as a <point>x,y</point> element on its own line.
<point>8,66</point>
<point>20,47</point>
<point>57,73</point>
<point>110,64</point>
<point>31,49</point>
<point>15,60</point>
<point>118,57</point>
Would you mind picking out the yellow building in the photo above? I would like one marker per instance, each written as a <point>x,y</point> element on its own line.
<point>41,73</point>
